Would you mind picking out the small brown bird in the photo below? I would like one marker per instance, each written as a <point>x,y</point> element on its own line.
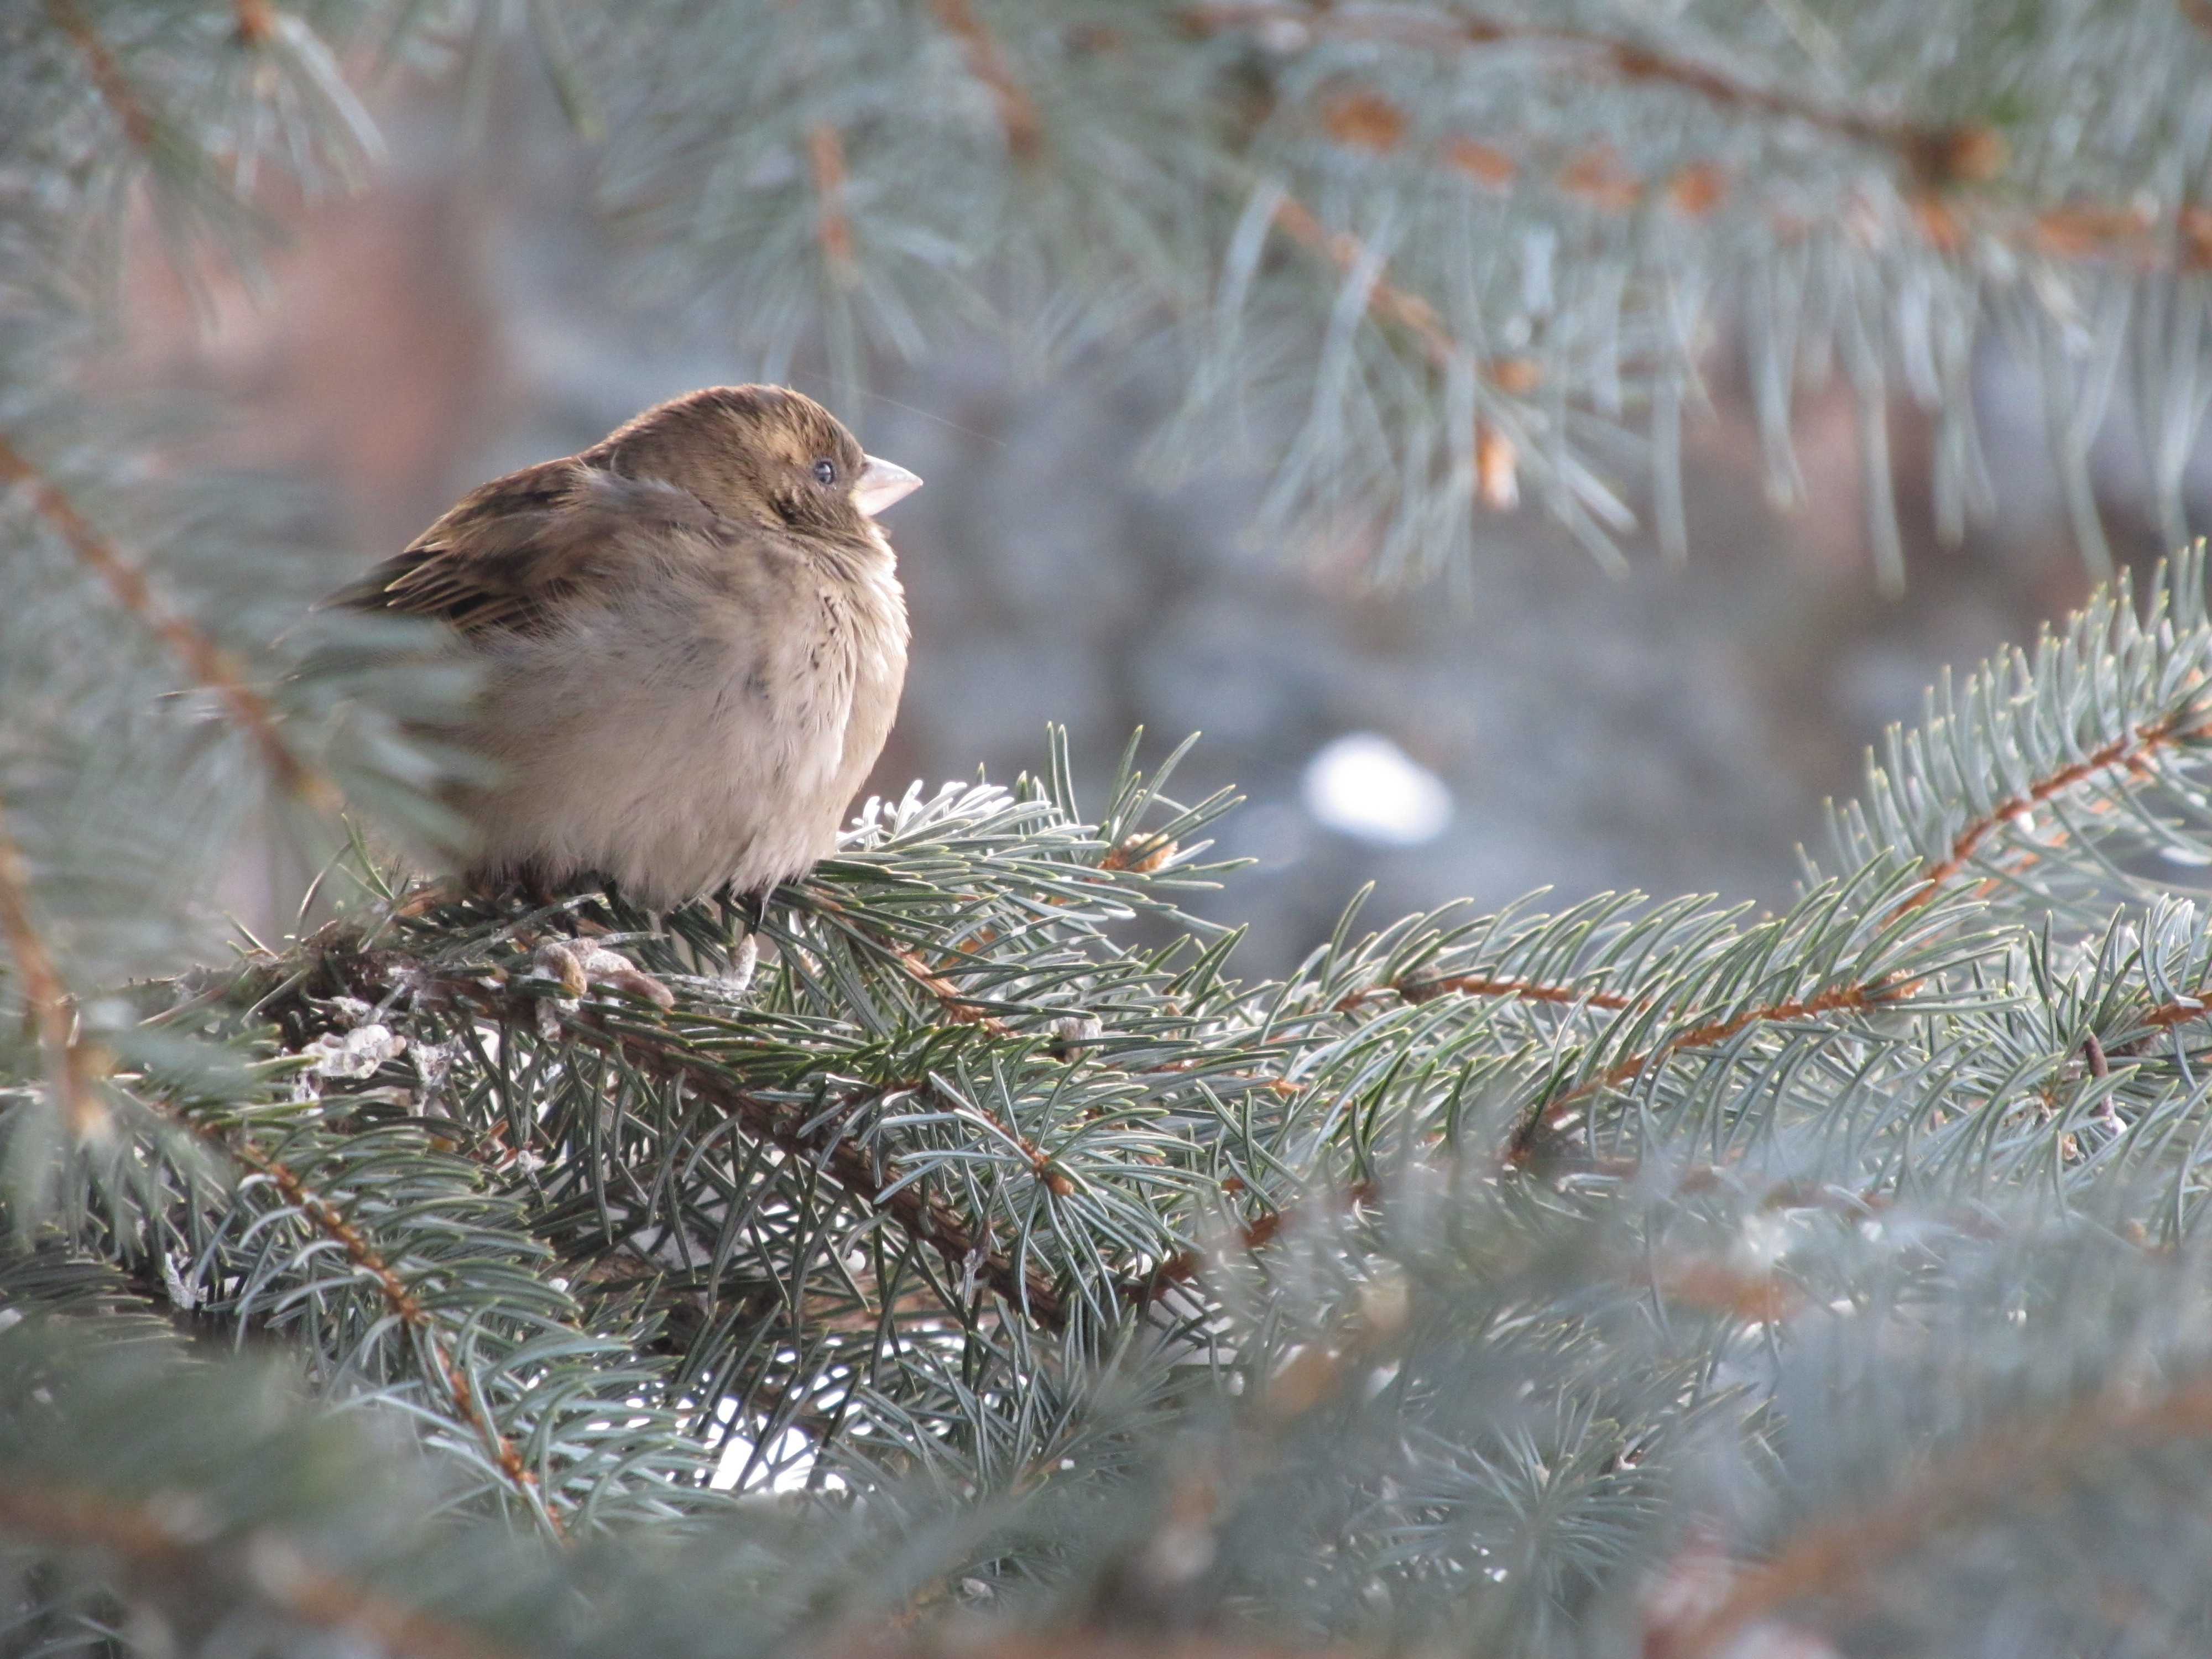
<point>693,639</point>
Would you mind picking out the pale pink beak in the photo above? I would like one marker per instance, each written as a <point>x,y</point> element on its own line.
<point>880,483</point>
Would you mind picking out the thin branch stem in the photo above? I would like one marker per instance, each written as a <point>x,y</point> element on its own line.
<point>1385,299</point>
<point>833,227</point>
<point>1936,154</point>
<point>1833,1556</point>
<point>208,663</point>
<point>407,1308</point>
<point>72,1517</point>
<point>1481,985</point>
<point>987,62</point>
<point>115,89</point>
<point>46,995</point>
<point>2132,751</point>
<point>1550,1113</point>
<point>922,1214</point>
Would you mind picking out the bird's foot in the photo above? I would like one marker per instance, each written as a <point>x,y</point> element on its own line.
<point>578,964</point>
<point>730,986</point>
<point>743,960</point>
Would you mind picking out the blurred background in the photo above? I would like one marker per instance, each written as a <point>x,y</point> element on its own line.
<point>1678,729</point>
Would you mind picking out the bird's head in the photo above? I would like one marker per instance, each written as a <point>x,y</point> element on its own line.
<point>760,452</point>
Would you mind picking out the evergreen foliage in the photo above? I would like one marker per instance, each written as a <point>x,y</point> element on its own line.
<point>1001,1268</point>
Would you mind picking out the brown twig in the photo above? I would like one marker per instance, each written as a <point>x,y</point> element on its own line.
<point>2132,751</point>
<point>921,1213</point>
<point>115,89</point>
<point>1936,154</point>
<point>1480,985</point>
<point>1384,298</point>
<point>780,1124</point>
<point>1550,1113</point>
<point>1182,1267</point>
<point>201,658</point>
<point>255,20</point>
<point>406,1308</point>
<point>833,229</point>
<point>72,1517</point>
<point>987,62</point>
<point>1495,466</point>
<point>957,1008</point>
<point>1832,1557</point>
<point>70,1068</point>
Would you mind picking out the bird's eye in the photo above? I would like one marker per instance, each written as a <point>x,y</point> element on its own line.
<point>825,472</point>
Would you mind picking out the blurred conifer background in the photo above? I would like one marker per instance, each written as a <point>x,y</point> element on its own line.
<point>1670,729</point>
<point>1408,395</point>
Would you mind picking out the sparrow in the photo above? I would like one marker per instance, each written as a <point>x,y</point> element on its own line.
<point>692,640</point>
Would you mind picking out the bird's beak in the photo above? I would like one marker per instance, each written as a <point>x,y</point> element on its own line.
<point>880,483</point>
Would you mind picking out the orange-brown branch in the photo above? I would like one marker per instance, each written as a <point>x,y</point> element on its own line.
<point>201,658</point>
<point>957,1008</point>
<point>833,229</point>
<point>1842,998</point>
<point>2132,751</point>
<point>1833,1558</point>
<point>115,89</point>
<point>68,1069</point>
<point>1481,985</point>
<point>405,1308</point>
<point>1495,458</point>
<point>987,62</point>
<point>255,20</point>
<point>1384,298</point>
<point>75,1518</point>
<point>1936,154</point>
<point>1182,1267</point>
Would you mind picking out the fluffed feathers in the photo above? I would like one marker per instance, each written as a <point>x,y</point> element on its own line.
<point>694,639</point>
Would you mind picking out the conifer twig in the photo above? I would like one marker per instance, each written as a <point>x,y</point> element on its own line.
<point>46,995</point>
<point>1936,154</point>
<point>406,1308</point>
<point>1384,298</point>
<point>1834,1556</point>
<point>924,1215</point>
<point>1547,1114</point>
<point>987,62</point>
<point>75,1518</point>
<point>209,663</point>
<point>114,87</point>
<point>1480,985</point>
<point>2130,752</point>
<point>833,227</point>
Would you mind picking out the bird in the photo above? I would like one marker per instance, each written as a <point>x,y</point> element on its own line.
<point>692,640</point>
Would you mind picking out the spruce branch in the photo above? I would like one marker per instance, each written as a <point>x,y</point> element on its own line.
<point>833,227</point>
<point>1548,1115</point>
<point>2132,753</point>
<point>1935,154</point>
<point>108,77</point>
<point>926,1217</point>
<point>409,1311</point>
<point>986,61</point>
<point>208,663</point>
<point>1831,1558</point>
<point>155,1538</point>
<point>72,1068</point>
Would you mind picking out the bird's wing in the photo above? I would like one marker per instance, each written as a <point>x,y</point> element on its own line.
<point>505,555</point>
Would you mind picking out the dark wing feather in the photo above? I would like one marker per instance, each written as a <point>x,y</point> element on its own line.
<point>507,553</point>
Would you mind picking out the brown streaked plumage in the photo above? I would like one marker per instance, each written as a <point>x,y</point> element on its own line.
<point>693,639</point>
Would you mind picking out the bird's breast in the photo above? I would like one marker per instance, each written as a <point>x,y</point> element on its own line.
<point>696,732</point>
